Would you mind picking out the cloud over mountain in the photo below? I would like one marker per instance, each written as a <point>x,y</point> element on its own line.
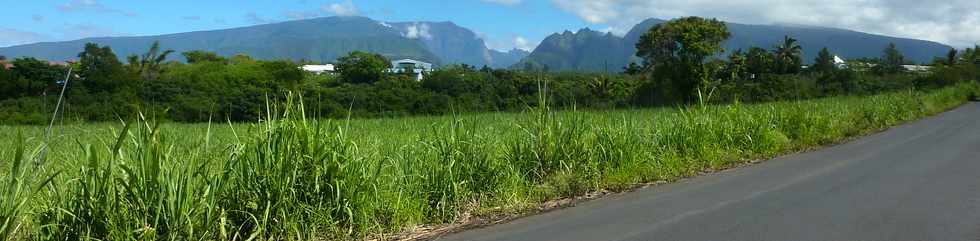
<point>345,8</point>
<point>417,31</point>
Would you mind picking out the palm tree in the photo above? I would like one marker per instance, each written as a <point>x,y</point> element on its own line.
<point>737,65</point>
<point>600,86</point>
<point>788,55</point>
<point>148,65</point>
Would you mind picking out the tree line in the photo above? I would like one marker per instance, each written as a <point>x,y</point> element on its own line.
<point>680,65</point>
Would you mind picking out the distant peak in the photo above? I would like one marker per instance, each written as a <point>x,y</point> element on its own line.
<point>654,20</point>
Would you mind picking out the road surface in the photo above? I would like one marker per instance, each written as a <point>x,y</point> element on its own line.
<point>919,181</point>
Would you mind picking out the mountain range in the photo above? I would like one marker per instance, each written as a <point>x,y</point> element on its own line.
<point>326,39</point>
<point>455,44</point>
<point>589,50</point>
<point>319,39</point>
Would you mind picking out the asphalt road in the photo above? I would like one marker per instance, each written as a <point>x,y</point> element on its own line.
<point>919,181</point>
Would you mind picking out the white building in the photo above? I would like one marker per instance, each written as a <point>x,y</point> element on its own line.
<point>917,68</point>
<point>839,62</point>
<point>419,68</point>
<point>319,68</point>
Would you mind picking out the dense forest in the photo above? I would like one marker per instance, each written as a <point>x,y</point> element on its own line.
<point>238,88</point>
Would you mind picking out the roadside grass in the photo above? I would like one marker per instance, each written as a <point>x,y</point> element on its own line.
<point>294,178</point>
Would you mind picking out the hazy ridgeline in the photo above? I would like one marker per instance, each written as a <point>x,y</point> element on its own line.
<point>292,178</point>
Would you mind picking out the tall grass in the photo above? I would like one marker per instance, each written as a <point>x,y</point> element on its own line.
<point>293,178</point>
<point>296,177</point>
<point>18,189</point>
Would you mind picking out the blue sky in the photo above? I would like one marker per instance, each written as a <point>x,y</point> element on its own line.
<point>500,22</point>
<point>504,24</point>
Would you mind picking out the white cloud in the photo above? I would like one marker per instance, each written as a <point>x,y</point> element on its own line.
<point>346,8</point>
<point>504,2</point>
<point>955,22</point>
<point>417,30</point>
<point>78,5</point>
<point>491,43</point>
<point>507,43</point>
<point>11,37</point>
<point>523,44</point>
<point>92,6</point>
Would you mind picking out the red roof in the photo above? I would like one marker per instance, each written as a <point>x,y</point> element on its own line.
<point>58,63</point>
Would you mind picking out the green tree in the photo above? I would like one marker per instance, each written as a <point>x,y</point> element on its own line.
<point>824,63</point>
<point>105,88</point>
<point>362,67</point>
<point>633,69</point>
<point>967,55</point>
<point>100,69</point>
<point>285,74</point>
<point>951,57</point>
<point>975,57</point>
<point>758,61</point>
<point>891,60</point>
<point>40,71</point>
<point>675,52</point>
<point>198,56</point>
<point>788,56</point>
<point>737,66</point>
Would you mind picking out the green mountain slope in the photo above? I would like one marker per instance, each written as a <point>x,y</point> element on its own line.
<point>320,39</point>
<point>593,51</point>
<point>585,50</point>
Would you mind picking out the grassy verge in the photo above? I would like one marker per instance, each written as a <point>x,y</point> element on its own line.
<point>292,178</point>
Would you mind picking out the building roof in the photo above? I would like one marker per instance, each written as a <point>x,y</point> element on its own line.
<point>839,60</point>
<point>59,63</point>
<point>418,64</point>
<point>409,61</point>
<point>319,68</point>
<point>917,68</point>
